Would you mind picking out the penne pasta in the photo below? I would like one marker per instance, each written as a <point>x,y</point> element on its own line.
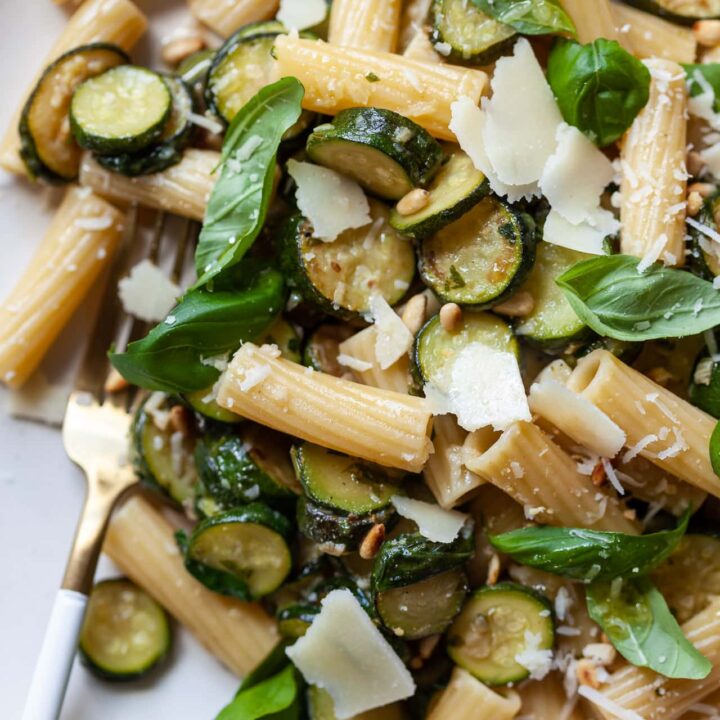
<point>366,24</point>
<point>537,473</point>
<point>595,20</point>
<point>142,543</point>
<point>707,709</point>
<point>183,189</point>
<point>226,16</point>
<point>78,246</point>
<point>548,699</point>
<point>113,21</point>
<point>377,425</point>
<point>660,426</point>
<point>466,698</point>
<point>412,20</point>
<point>421,49</point>
<point>654,180</point>
<point>335,79</point>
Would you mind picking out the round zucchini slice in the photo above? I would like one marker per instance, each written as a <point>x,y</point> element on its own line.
<point>340,277</point>
<point>435,347</point>
<point>385,152</point>
<point>123,110</point>
<point>480,259</point>
<point>340,481</point>
<point>323,347</point>
<point>457,186</point>
<point>704,391</point>
<point>202,402</point>
<point>125,633</point>
<point>46,144</point>
<point>552,324</point>
<point>473,37</point>
<point>168,151</point>
<point>194,72</point>
<point>243,552</point>
<point>494,628</point>
<point>685,12</point>
<point>424,608</point>
<point>320,706</point>
<point>294,620</point>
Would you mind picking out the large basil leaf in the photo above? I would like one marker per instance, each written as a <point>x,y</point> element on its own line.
<point>614,299</point>
<point>600,87</point>
<point>529,17</point>
<point>589,554</point>
<point>203,324</point>
<point>239,201</point>
<point>640,625</point>
<point>278,697</point>
<point>710,73</point>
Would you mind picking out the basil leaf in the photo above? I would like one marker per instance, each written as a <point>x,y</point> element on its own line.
<point>239,201</point>
<point>640,625</point>
<point>589,554</point>
<point>275,661</point>
<point>529,17</point>
<point>203,324</point>
<point>615,300</point>
<point>711,74</point>
<point>715,450</point>
<point>278,694</point>
<point>600,87</point>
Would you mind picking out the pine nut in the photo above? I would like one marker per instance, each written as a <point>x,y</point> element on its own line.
<point>694,203</point>
<point>450,316</point>
<point>372,542</point>
<point>414,313</point>
<point>603,653</point>
<point>175,51</point>
<point>519,305</point>
<point>180,420</point>
<point>115,382</point>
<point>707,32</point>
<point>413,202</point>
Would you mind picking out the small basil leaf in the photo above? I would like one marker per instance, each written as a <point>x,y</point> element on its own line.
<point>640,625</point>
<point>715,450</point>
<point>589,554</point>
<point>239,201</point>
<point>600,87</point>
<point>277,694</point>
<point>529,17</point>
<point>203,324</point>
<point>614,299</point>
<point>710,74</point>
<point>275,661</point>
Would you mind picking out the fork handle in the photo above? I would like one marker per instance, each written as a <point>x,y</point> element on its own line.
<point>52,671</point>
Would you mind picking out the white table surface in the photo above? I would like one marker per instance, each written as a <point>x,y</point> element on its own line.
<point>40,490</point>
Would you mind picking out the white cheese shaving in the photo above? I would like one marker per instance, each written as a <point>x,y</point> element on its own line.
<point>612,476</point>
<point>653,254</point>
<point>354,363</point>
<point>532,658</point>
<point>703,229</point>
<point>563,602</point>
<point>392,337</point>
<point>302,14</point>
<point>587,236</point>
<point>330,201</point>
<point>206,123</point>
<point>433,522</point>
<point>344,653</point>
<point>253,377</point>
<point>597,698</point>
<point>147,293</point>
<point>101,222</point>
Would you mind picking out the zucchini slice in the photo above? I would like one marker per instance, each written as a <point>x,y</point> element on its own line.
<point>492,630</point>
<point>385,152</point>
<point>552,324</point>
<point>123,110</point>
<point>322,348</point>
<point>435,347</point>
<point>243,553</point>
<point>320,706</point>
<point>468,33</point>
<point>202,402</point>
<point>194,71</point>
<point>685,12</point>
<point>175,137</point>
<point>340,481</point>
<point>423,608</point>
<point>480,259</point>
<point>125,633</point>
<point>294,620</point>
<point>340,277</point>
<point>457,186</point>
<point>704,391</point>
<point>46,143</point>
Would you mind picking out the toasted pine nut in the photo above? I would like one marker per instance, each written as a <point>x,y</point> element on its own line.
<point>660,375</point>
<point>427,645</point>
<point>372,541</point>
<point>450,316</point>
<point>603,653</point>
<point>493,570</point>
<point>413,314</point>
<point>707,32</point>
<point>519,305</point>
<point>180,420</point>
<point>115,382</point>
<point>175,51</point>
<point>413,202</point>
<point>586,672</point>
<point>695,163</point>
<point>598,475</point>
<point>694,203</point>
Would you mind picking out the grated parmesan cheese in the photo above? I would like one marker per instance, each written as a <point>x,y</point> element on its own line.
<point>302,14</point>
<point>354,363</point>
<point>538,662</point>
<point>392,337</point>
<point>612,476</point>
<point>433,522</point>
<point>253,377</point>
<point>147,293</point>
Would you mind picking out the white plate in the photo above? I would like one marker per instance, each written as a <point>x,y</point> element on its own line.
<point>40,490</point>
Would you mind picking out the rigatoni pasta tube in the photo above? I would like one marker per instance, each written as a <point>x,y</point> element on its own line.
<point>113,21</point>
<point>659,425</point>
<point>595,20</point>
<point>421,49</point>
<point>365,24</point>
<point>654,697</point>
<point>226,16</point>
<point>531,468</point>
<point>414,15</point>
<point>141,542</point>
<point>377,425</point>
<point>652,192</point>
<point>547,699</point>
<point>77,248</point>
<point>335,78</point>
<point>183,189</point>
<point>466,698</point>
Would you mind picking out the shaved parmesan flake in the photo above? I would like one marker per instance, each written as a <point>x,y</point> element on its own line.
<point>584,237</point>
<point>653,253</point>
<point>344,653</point>
<point>575,175</point>
<point>532,658</point>
<point>147,293</point>
<point>354,363</point>
<point>102,222</point>
<point>482,387</point>
<point>433,522</point>
<point>597,698</point>
<point>612,476</point>
<point>711,159</point>
<point>302,14</point>
<point>703,229</point>
<point>330,201</point>
<point>253,377</point>
<point>392,338</point>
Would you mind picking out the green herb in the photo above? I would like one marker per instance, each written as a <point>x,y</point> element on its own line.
<point>589,554</point>
<point>636,618</point>
<point>372,77</point>
<point>456,279</point>
<point>600,87</point>
<point>710,74</point>
<point>715,450</point>
<point>276,697</point>
<point>239,201</point>
<point>529,17</point>
<point>614,299</point>
<point>275,661</point>
<point>203,324</point>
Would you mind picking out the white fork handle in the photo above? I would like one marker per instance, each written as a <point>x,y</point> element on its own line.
<point>52,671</point>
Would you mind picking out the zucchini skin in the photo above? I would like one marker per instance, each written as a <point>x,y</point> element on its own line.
<point>706,397</point>
<point>657,8</point>
<point>294,620</point>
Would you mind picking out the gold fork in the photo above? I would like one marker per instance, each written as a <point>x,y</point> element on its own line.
<point>95,435</point>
